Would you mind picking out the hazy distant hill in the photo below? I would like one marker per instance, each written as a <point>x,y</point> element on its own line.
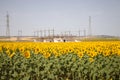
<point>105,36</point>
<point>102,38</point>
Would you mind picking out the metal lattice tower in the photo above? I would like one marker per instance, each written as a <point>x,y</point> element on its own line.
<point>89,29</point>
<point>7,29</point>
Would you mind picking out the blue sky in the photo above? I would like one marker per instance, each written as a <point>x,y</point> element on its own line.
<point>62,15</point>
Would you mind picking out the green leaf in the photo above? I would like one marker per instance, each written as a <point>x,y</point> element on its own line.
<point>15,74</point>
<point>73,69</point>
<point>107,77</point>
<point>51,76</point>
<point>85,71</point>
<point>3,77</point>
<point>26,78</point>
<point>30,69</point>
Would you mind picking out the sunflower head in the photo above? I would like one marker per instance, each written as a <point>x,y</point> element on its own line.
<point>27,54</point>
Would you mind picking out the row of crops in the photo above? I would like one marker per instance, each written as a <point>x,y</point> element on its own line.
<point>60,61</point>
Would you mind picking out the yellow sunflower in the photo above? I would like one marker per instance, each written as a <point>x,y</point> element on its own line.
<point>27,54</point>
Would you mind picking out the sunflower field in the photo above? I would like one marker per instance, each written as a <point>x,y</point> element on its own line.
<point>60,61</point>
